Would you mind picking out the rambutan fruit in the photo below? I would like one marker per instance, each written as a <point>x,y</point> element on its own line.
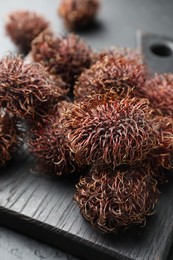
<point>104,130</point>
<point>159,91</point>
<point>115,200</point>
<point>51,148</point>
<point>10,137</point>
<point>118,70</point>
<point>133,55</point>
<point>162,156</point>
<point>65,56</point>
<point>45,49</point>
<point>78,14</point>
<point>26,90</point>
<point>24,26</point>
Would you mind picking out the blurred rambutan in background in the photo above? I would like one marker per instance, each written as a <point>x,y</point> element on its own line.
<point>65,56</point>
<point>78,14</point>
<point>23,27</point>
<point>114,200</point>
<point>105,130</point>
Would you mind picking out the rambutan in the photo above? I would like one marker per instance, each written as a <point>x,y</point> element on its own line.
<point>105,130</point>
<point>78,14</point>
<point>163,154</point>
<point>118,70</point>
<point>114,200</point>
<point>24,26</point>
<point>65,56</point>
<point>159,91</point>
<point>45,49</point>
<point>10,137</point>
<point>133,55</point>
<point>26,90</point>
<point>51,148</point>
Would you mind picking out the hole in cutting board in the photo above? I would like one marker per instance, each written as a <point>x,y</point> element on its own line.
<point>161,49</point>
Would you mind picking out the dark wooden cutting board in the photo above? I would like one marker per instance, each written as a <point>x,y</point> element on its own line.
<point>43,207</point>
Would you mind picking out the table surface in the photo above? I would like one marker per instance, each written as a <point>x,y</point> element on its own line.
<point>118,22</point>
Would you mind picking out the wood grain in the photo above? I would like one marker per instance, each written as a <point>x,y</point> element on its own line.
<point>14,246</point>
<point>44,209</point>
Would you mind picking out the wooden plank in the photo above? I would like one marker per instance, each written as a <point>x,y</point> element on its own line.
<point>14,246</point>
<point>43,207</point>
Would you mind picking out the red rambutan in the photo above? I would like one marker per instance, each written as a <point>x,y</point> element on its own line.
<point>114,200</point>
<point>133,55</point>
<point>26,90</point>
<point>65,56</point>
<point>118,70</point>
<point>78,13</point>
<point>51,148</point>
<point>159,91</point>
<point>24,26</point>
<point>163,154</point>
<point>10,137</point>
<point>105,130</point>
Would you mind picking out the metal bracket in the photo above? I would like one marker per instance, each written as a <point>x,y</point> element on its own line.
<point>157,51</point>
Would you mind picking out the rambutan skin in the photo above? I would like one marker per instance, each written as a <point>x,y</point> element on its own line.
<point>114,200</point>
<point>10,137</point>
<point>133,55</point>
<point>78,14</point>
<point>26,90</point>
<point>162,156</point>
<point>118,70</point>
<point>65,56</point>
<point>105,130</point>
<point>61,107</point>
<point>45,48</point>
<point>51,148</point>
<point>159,91</point>
<point>24,26</point>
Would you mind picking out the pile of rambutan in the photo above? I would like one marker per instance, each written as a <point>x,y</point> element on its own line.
<point>102,111</point>
<point>121,125</point>
<point>28,95</point>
